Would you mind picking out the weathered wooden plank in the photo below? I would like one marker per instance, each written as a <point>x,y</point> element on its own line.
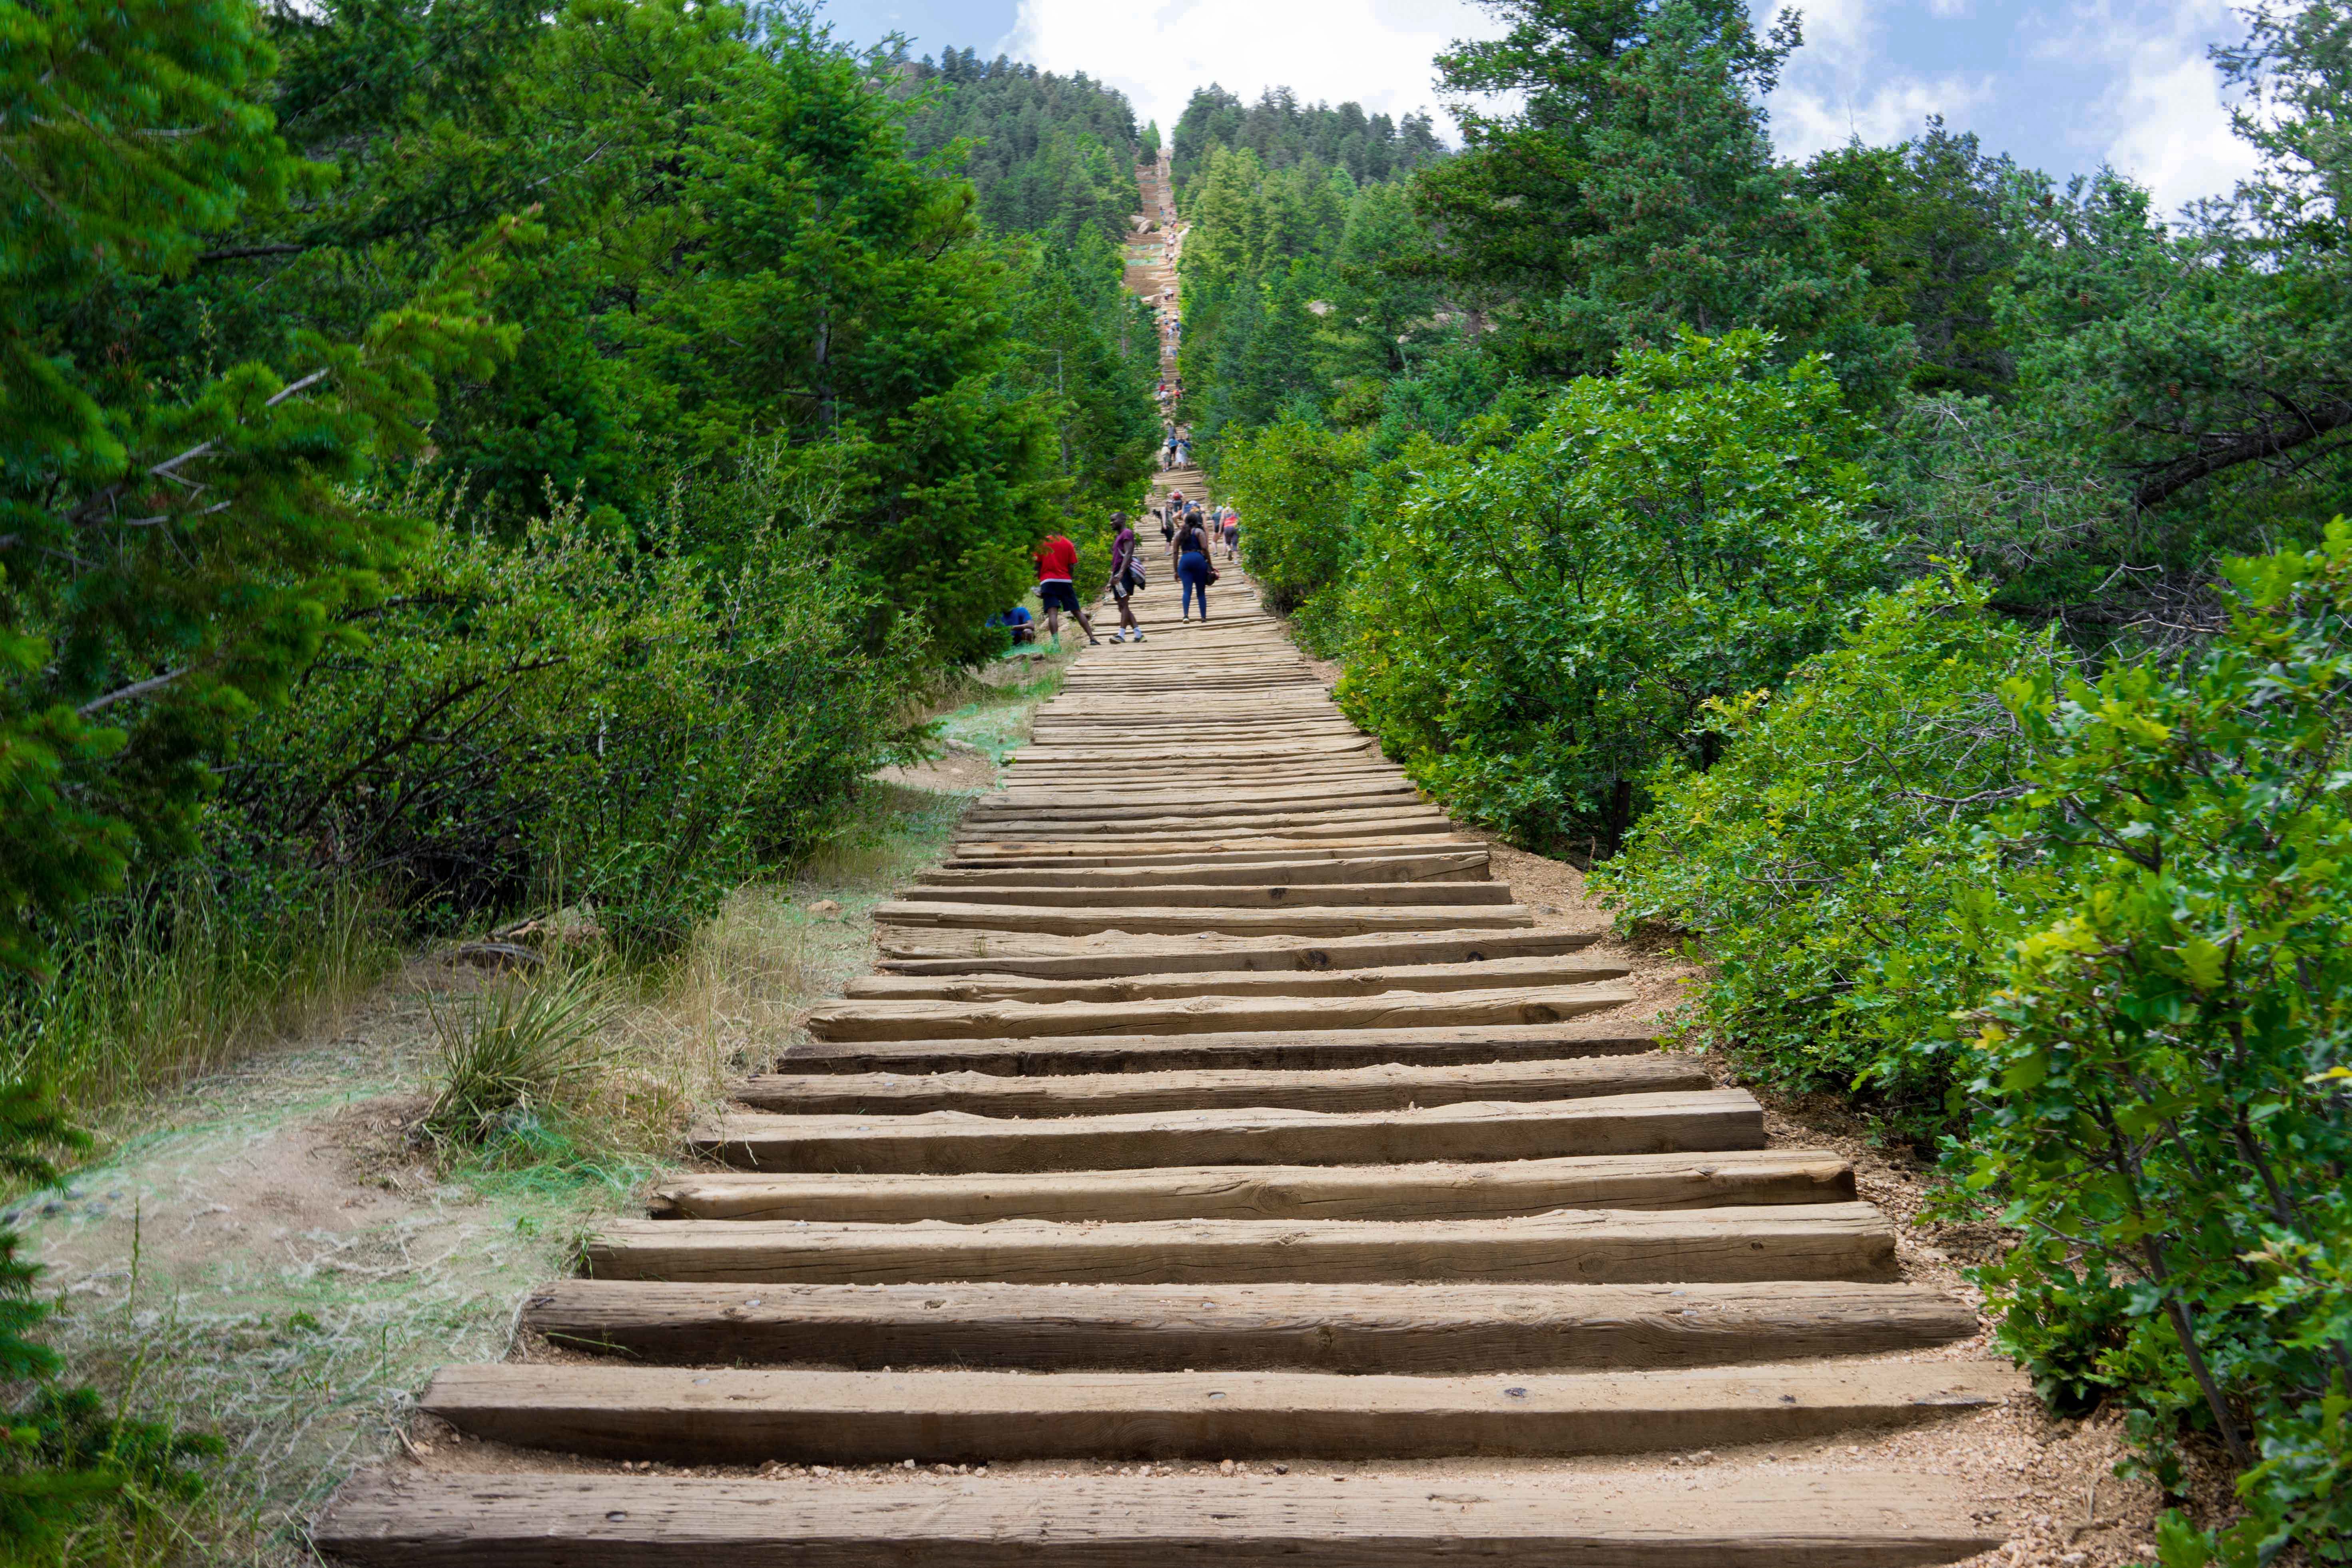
<point>910,951</point>
<point>752,1414</point>
<point>1306,920</point>
<point>405,1518</point>
<point>1578,1246</point>
<point>1053,891</point>
<point>1235,983</point>
<point>948,1141</point>
<point>1423,1190</point>
<point>1290,1048</point>
<point>1460,865</point>
<point>1386,1088</point>
<point>882,1019</point>
<point>1354,1328</point>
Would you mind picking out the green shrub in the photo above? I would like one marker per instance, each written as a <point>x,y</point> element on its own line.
<point>1532,630</point>
<point>1830,860</point>
<point>68,1468</point>
<point>1292,482</point>
<point>568,718</point>
<point>2164,1059</point>
<point>513,1050</point>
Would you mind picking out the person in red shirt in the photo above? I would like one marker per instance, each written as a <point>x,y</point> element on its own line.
<point>1057,566</point>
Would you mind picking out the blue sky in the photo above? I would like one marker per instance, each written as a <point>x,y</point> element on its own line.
<point>2063,87</point>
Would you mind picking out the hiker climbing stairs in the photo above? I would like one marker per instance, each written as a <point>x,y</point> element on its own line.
<point>1212,1102</point>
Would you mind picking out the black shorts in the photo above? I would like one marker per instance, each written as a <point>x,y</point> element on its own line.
<point>1058,597</point>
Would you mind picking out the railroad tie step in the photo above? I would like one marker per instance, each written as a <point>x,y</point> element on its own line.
<point>1419,1329</point>
<point>1745,1244</point>
<point>885,1018</point>
<point>947,1142</point>
<point>1387,1088</point>
<point>1600,1034</point>
<point>752,1415</point>
<point>1423,1190</point>
<point>1716,1519</point>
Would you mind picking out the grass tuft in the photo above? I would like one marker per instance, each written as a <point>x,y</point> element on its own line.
<point>513,1052</point>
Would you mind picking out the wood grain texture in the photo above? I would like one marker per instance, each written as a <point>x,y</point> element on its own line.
<point>1387,1088</point>
<point>1352,1328</point>
<point>947,1141</point>
<point>1302,921</point>
<point>406,1520</point>
<point>1289,1048</point>
<point>1238,983</point>
<point>910,951</point>
<point>750,1415</point>
<point>1605,1246</point>
<point>1423,1190</point>
<point>859,1019</point>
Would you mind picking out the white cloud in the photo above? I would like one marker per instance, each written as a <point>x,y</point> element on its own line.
<point>1841,85</point>
<point>2163,118</point>
<point>1810,119</point>
<point>1377,52</point>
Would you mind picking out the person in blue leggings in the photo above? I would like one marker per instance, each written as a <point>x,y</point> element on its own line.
<point>1193,567</point>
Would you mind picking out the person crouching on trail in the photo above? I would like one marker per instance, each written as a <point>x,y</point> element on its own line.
<point>1057,564</point>
<point>1126,577</point>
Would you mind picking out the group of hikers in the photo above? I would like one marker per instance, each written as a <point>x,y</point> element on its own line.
<point>1176,450</point>
<point>1192,535</point>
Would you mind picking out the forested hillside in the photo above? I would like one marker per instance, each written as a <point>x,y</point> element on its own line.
<point>468,457</point>
<point>1908,577</point>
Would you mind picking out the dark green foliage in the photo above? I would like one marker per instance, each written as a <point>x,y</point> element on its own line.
<point>1633,193</point>
<point>176,539</point>
<point>1933,223</point>
<point>1532,631</point>
<point>1831,860</point>
<point>1282,133</point>
<point>2161,1068</point>
<point>1293,482</point>
<point>1050,155</point>
<point>64,1456</point>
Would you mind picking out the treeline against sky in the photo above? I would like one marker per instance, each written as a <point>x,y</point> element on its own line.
<point>1915,579</point>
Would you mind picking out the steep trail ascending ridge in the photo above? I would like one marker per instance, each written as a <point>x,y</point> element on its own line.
<point>1212,1102</point>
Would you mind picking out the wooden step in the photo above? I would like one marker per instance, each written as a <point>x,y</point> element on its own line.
<point>1112,807</point>
<point>1305,920</point>
<point>1576,1247</point>
<point>1079,854</point>
<point>1239,982</point>
<point>752,1416</point>
<point>1456,866</point>
<point>947,1142</point>
<point>854,1019</point>
<point>1209,822</point>
<point>409,1519</point>
<point>910,951</point>
<point>1386,1088</point>
<point>1421,1330</point>
<point>1423,1190</point>
<point>1051,892</point>
<point>1305,1050</point>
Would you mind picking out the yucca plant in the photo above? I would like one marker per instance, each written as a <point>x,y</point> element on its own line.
<point>513,1049</point>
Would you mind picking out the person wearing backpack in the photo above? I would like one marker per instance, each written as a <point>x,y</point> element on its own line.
<point>1126,577</point>
<point>1193,567</point>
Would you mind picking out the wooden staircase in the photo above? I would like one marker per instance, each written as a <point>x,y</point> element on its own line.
<point>1212,1103</point>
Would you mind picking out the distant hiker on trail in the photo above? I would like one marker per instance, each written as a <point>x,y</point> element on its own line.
<point>1170,519</point>
<point>1233,531</point>
<point>1168,461</point>
<point>1126,577</point>
<point>1193,567</point>
<point>1057,564</point>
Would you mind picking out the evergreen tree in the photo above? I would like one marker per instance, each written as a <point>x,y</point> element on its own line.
<point>1633,193</point>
